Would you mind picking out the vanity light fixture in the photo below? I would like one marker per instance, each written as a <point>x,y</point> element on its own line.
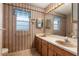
<point>56,6</point>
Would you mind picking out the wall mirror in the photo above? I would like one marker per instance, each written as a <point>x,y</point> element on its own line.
<point>63,16</point>
<point>39,23</point>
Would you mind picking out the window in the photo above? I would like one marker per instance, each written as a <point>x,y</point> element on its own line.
<point>22,20</point>
<point>57,22</point>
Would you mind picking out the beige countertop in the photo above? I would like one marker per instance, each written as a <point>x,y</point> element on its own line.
<point>53,38</point>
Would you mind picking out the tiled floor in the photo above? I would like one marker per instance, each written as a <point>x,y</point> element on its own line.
<point>28,52</point>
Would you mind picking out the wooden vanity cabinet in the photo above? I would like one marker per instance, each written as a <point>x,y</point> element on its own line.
<point>38,45</point>
<point>61,52</point>
<point>41,46</point>
<point>44,48</point>
<point>50,50</point>
<point>54,50</point>
<point>58,51</point>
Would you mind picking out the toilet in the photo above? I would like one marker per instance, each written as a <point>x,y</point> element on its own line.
<point>3,51</point>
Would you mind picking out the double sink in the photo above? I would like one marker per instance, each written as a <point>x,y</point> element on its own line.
<point>62,42</point>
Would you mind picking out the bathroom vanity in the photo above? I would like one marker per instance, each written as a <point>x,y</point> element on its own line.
<point>47,46</point>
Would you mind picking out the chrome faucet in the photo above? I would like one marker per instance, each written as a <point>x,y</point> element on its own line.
<point>66,40</point>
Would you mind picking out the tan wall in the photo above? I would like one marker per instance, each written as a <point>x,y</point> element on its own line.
<point>69,25</point>
<point>1,18</point>
<point>20,40</point>
<point>36,13</point>
<point>75,18</point>
<point>50,18</point>
<point>75,12</point>
<point>37,16</point>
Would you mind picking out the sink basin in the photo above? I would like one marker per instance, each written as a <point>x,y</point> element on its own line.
<point>46,35</point>
<point>42,35</point>
<point>67,44</point>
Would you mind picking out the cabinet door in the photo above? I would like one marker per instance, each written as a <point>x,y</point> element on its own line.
<point>40,46</point>
<point>36,43</point>
<point>58,51</point>
<point>50,52</point>
<point>44,49</point>
<point>62,52</point>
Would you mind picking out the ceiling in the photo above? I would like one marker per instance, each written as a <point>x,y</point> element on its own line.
<point>41,5</point>
<point>65,9</point>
